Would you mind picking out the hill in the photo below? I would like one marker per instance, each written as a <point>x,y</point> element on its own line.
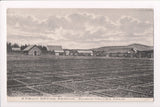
<point>140,47</point>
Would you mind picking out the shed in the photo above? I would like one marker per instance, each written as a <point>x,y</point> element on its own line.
<point>32,50</point>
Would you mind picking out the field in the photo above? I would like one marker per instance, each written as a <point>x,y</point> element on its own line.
<point>79,76</point>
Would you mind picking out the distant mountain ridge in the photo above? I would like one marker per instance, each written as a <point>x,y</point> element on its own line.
<point>136,46</point>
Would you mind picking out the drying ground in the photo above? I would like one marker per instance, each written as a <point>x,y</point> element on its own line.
<point>79,76</point>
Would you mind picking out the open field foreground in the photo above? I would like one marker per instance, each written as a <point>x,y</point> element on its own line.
<point>79,76</point>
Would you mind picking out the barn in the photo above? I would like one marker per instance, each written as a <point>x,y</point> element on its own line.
<point>56,50</point>
<point>85,53</point>
<point>32,50</point>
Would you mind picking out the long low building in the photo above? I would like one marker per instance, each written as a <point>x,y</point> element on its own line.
<point>145,54</point>
<point>78,52</point>
<point>16,49</point>
<point>55,49</point>
<point>121,52</point>
<point>133,50</point>
<point>85,53</point>
<point>115,52</point>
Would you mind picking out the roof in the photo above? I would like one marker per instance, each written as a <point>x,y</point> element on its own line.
<point>119,50</point>
<point>146,51</point>
<point>110,48</point>
<point>84,51</point>
<point>29,47</point>
<point>54,48</point>
<point>58,51</point>
<point>137,47</point>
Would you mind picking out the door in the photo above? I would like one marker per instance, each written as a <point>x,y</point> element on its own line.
<point>35,53</point>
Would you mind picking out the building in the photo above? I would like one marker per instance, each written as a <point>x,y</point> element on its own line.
<point>145,54</point>
<point>120,52</point>
<point>32,50</point>
<point>73,52</point>
<point>16,49</point>
<point>115,51</point>
<point>67,52</point>
<point>56,50</point>
<point>99,53</point>
<point>85,52</point>
<point>143,51</point>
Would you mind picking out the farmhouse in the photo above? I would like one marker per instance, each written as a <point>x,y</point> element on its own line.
<point>32,50</point>
<point>85,53</point>
<point>56,50</point>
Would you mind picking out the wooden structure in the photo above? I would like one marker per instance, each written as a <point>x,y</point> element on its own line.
<point>115,52</point>
<point>56,50</point>
<point>32,50</point>
<point>16,49</point>
<point>120,52</point>
<point>67,52</point>
<point>85,52</point>
<point>145,54</point>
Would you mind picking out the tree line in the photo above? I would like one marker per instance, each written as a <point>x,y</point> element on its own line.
<point>22,47</point>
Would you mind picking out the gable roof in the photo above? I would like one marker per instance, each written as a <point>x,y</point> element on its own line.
<point>54,48</point>
<point>29,47</point>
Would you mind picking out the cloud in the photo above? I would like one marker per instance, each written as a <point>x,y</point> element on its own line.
<point>78,30</point>
<point>133,25</point>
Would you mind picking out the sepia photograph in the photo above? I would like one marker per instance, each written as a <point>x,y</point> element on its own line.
<point>80,54</point>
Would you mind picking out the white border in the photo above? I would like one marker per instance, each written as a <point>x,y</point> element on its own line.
<point>80,4</point>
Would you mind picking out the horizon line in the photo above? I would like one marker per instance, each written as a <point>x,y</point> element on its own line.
<point>81,48</point>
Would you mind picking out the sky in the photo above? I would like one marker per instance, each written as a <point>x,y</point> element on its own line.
<point>82,28</point>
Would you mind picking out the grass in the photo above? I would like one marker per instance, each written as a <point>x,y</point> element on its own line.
<point>105,77</point>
